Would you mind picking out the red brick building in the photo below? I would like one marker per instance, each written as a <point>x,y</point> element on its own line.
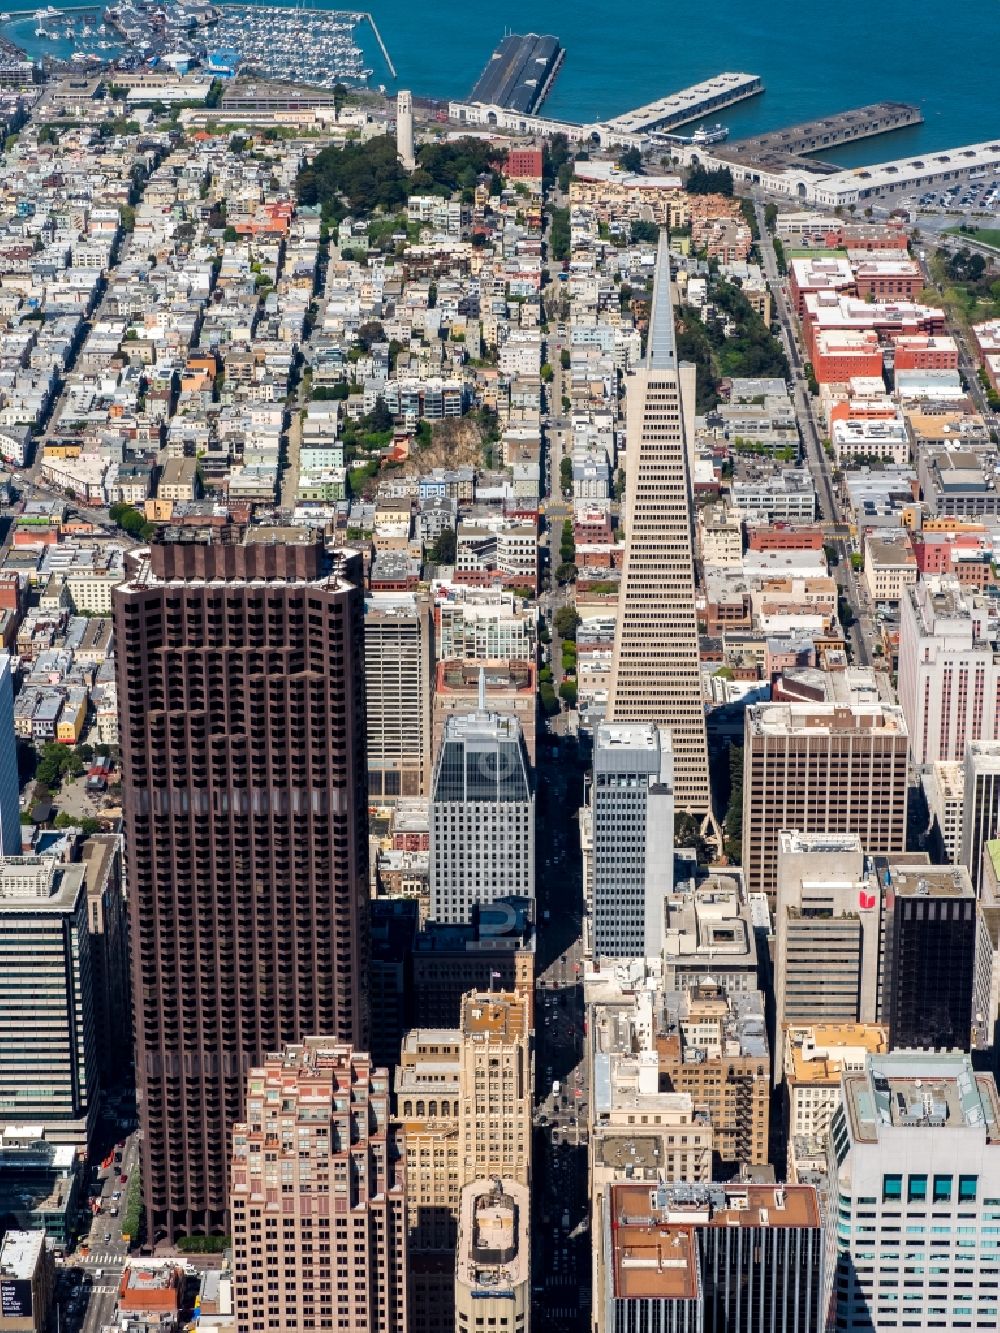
<point>524,164</point>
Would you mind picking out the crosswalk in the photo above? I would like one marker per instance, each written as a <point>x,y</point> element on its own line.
<point>97,1260</point>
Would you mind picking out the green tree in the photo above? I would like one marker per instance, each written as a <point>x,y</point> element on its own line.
<point>702,181</point>
<point>564,358</point>
<point>565,573</point>
<point>444,549</point>
<point>568,692</point>
<point>630,160</point>
<point>566,622</point>
<point>566,473</point>
<point>734,810</point>
<point>547,373</point>
<point>645,231</point>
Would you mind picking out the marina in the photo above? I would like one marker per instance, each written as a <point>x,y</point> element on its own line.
<point>311,46</point>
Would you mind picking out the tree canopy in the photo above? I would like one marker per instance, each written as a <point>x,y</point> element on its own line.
<point>703,181</point>
<point>361,178</point>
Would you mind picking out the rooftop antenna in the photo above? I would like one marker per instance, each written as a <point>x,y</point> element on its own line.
<point>482,689</point>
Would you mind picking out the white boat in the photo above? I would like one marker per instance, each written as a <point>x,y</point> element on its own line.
<point>4,18</point>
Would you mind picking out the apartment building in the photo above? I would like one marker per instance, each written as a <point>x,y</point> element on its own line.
<point>318,1195</point>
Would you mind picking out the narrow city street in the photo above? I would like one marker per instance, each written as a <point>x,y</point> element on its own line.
<point>860,630</point>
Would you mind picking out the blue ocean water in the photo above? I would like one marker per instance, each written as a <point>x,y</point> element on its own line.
<point>812,62</point>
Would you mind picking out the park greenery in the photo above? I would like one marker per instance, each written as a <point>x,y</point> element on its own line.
<point>131,520</point>
<point>703,181</point>
<point>559,235</point>
<point>751,350</point>
<point>968,286</point>
<point>365,178</point>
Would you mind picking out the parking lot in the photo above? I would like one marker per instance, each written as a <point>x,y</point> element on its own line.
<point>973,197</point>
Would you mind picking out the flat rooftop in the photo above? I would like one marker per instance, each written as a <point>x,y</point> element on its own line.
<point>929,881</point>
<point>20,1253</point>
<point>781,719</point>
<point>493,1249</point>
<point>913,1090</point>
<point>652,1234</point>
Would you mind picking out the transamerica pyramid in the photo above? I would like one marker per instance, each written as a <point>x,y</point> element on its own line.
<point>655,673</point>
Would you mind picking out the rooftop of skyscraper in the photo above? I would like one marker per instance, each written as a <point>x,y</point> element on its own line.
<point>493,1246</point>
<point>30,882</point>
<point>652,1233</point>
<point>927,881</point>
<point>914,1089</point>
<point>661,349</point>
<point>787,719</point>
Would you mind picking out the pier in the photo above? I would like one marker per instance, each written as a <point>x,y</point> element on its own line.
<point>85,12</point>
<point>381,45</point>
<point>788,147</point>
<point>519,73</point>
<point>702,99</point>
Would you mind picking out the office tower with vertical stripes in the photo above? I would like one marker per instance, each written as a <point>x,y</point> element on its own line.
<point>242,695</point>
<point>656,673</point>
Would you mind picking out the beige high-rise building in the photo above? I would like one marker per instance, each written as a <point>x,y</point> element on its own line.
<point>493,1258</point>
<point>463,1099</point>
<point>821,768</point>
<point>399,678</point>
<point>318,1196</point>
<point>827,952</point>
<point>428,1106</point>
<point>656,673</point>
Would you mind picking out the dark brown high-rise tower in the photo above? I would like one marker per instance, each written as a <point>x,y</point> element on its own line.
<point>241,688</point>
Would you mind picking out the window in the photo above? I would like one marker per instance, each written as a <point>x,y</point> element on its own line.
<point>942,1188</point>
<point>916,1189</point>
<point>968,1188</point>
<point>892,1188</point>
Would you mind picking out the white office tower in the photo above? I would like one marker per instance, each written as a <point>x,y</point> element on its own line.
<point>10,814</point>
<point>404,130</point>
<point>632,802</point>
<point>656,674</point>
<point>980,807</point>
<point>914,1207</point>
<point>482,815</point>
<point>949,669</point>
<point>48,1060</point>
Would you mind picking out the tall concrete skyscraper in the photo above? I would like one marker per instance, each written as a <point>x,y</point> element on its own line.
<point>633,829</point>
<point>655,673</point>
<point>980,806</point>
<point>482,815</point>
<point>327,1247</point>
<point>404,130</point>
<point>821,768</point>
<point>10,813</point>
<point>398,683</point>
<point>48,1055</point>
<point>241,685</point>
